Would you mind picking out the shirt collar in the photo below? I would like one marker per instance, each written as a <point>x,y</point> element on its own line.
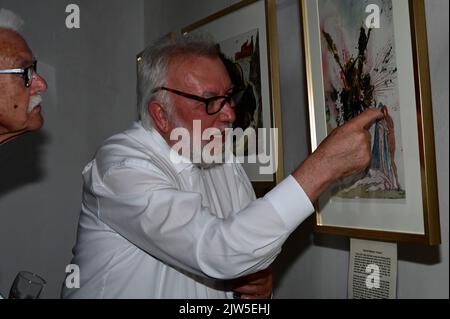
<point>154,141</point>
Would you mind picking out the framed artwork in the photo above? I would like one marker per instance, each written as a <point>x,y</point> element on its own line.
<point>246,34</point>
<point>373,54</point>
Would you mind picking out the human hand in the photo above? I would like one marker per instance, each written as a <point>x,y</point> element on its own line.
<point>255,286</point>
<point>346,151</point>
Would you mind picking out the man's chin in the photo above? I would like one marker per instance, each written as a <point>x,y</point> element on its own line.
<point>36,121</point>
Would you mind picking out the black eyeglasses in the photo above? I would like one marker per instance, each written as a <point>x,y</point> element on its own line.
<point>213,104</point>
<point>26,73</point>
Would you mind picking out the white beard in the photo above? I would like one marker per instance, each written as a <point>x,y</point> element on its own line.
<point>35,100</point>
<point>178,123</point>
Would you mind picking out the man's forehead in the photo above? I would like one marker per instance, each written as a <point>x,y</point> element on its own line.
<point>13,49</point>
<point>194,69</point>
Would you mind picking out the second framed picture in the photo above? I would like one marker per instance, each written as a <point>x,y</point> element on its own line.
<point>246,34</point>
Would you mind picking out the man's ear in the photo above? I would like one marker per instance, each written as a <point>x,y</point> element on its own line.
<point>159,116</point>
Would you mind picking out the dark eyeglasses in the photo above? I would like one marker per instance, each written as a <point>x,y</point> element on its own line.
<point>213,105</point>
<point>26,73</point>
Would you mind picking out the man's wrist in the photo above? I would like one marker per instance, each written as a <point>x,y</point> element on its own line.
<point>314,176</point>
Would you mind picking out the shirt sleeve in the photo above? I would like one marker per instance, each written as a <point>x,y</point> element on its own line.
<point>297,208</point>
<point>141,204</point>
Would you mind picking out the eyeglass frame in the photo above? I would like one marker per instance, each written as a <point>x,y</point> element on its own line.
<point>26,74</point>
<point>206,101</point>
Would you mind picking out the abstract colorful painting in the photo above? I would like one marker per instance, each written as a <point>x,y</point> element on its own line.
<point>360,72</point>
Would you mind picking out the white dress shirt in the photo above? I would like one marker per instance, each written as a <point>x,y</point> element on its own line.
<point>150,228</point>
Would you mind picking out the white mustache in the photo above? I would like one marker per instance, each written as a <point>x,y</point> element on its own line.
<point>35,100</point>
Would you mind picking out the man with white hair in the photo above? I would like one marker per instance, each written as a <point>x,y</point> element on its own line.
<point>20,85</point>
<point>155,226</point>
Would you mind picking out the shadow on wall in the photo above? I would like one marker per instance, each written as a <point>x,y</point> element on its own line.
<point>293,248</point>
<point>20,161</point>
<point>416,253</point>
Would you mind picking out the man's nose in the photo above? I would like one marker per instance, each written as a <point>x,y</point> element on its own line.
<point>39,84</point>
<point>227,113</point>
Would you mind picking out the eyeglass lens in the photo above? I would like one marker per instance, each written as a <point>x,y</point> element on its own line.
<point>29,71</point>
<point>234,98</point>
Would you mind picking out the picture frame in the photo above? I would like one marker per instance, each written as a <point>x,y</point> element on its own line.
<point>247,32</point>
<point>349,69</point>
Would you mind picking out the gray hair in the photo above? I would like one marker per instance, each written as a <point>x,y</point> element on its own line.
<point>153,65</point>
<point>9,20</point>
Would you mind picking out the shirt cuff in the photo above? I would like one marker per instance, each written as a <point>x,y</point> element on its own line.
<point>291,202</point>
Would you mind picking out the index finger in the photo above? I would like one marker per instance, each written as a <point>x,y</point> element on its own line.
<point>368,117</point>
